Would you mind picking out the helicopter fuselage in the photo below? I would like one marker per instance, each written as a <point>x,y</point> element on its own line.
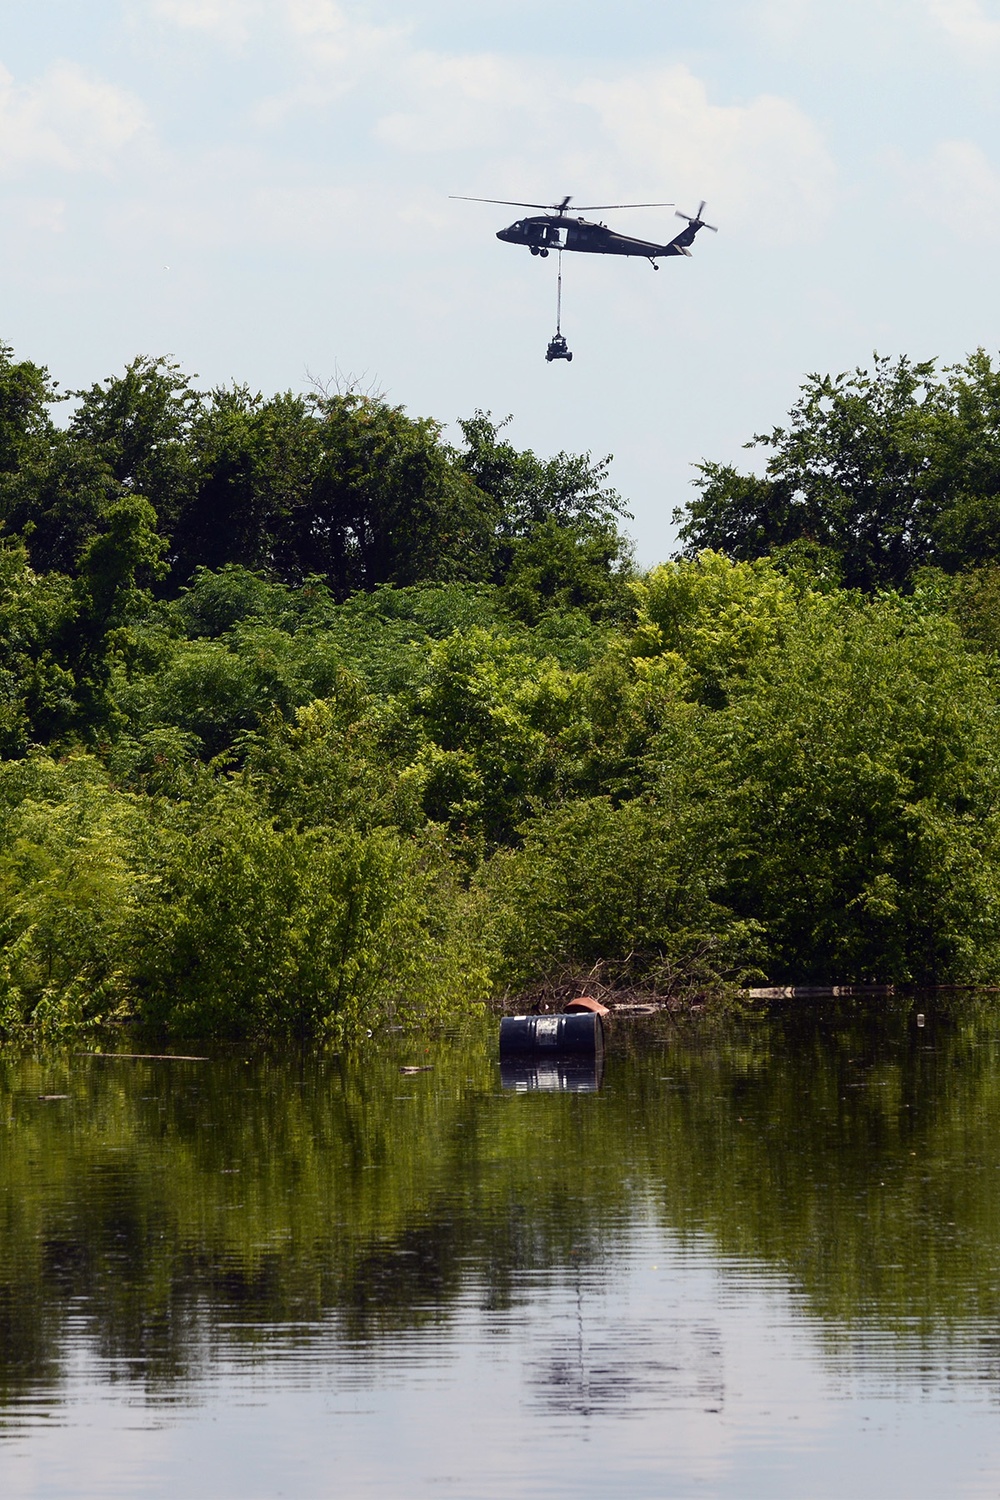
<point>545,232</point>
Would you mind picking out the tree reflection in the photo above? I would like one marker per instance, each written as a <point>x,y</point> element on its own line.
<point>166,1210</point>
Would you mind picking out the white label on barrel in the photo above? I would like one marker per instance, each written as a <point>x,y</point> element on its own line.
<point>547,1030</point>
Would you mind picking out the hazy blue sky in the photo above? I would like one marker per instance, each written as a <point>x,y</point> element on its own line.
<point>260,188</point>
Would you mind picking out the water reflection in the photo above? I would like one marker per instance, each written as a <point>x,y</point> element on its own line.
<point>612,1365</point>
<point>567,1076</point>
<point>163,1221</point>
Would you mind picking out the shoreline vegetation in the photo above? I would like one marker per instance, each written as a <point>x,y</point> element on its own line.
<point>313,722</point>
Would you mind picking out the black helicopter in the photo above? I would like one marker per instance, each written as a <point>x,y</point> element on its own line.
<point>555,230</point>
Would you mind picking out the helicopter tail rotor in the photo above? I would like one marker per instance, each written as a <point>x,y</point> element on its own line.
<point>695,220</point>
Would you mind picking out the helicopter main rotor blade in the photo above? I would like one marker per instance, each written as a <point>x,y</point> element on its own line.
<point>590,208</point>
<point>507,202</point>
<point>560,208</point>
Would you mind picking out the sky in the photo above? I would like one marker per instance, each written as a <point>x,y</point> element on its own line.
<point>260,189</point>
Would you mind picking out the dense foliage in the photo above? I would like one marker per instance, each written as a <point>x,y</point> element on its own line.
<point>310,720</point>
<point>878,473</point>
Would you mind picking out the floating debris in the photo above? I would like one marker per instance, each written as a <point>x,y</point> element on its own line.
<point>585,1002</point>
<point>145,1056</point>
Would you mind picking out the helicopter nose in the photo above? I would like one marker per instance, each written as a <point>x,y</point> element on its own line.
<point>504,234</point>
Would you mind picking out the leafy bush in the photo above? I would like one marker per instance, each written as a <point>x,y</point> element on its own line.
<point>68,892</point>
<point>859,783</point>
<point>633,884</point>
<point>250,930</point>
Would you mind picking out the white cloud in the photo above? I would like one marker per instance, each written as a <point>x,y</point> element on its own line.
<point>540,127</point>
<point>968,24</point>
<point>259,207</point>
<point>960,186</point>
<point>475,102</point>
<point>762,166</point>
<point>323,33</point>
<point>535,128</point>
<point>35,214</point>
<point>337,52</point>
<point>786,21</point>
<point>332,26</point>
<point>230,19</point>
<point>66,120</point>
<point>329,37</point>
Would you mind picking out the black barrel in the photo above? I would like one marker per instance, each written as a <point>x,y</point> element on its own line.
<point>547,1037</point>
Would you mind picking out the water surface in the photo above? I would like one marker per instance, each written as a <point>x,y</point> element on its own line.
<point>763,1259</point>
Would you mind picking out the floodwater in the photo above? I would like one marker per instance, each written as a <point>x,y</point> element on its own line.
<point>762,1259</point>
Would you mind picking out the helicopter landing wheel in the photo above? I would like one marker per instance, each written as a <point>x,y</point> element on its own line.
<point>543,253</point>
<point>534,249</point>
<point>569,358</point>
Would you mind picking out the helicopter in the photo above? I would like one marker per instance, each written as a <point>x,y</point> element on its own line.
<point>554,229</point>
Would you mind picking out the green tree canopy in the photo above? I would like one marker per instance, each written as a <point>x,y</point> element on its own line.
<point>881,471</point>
<point>347,488</point>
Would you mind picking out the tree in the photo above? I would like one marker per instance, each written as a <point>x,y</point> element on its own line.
<point>57,498</point>
<point>963,466</point>
<point>880,472</point>
<point>26,393</point>
<point>569,489</point>
<point>722,619</point>
<point>388,505</point>
<point>558,542</point>
<point>853,777</point>
<point>37,687</point>
<point>586,566</point>
<point>112,569</point>
<point>140,424</point>
<point>32,478</point>
<point>256,463</point>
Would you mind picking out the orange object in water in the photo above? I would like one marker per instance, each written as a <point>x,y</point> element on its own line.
<point>584,1002</point>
